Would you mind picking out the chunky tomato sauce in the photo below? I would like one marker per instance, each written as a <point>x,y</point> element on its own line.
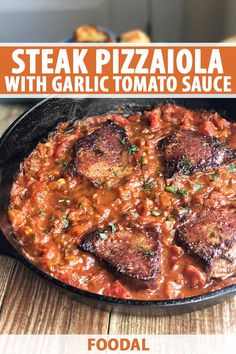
<point>50,208</point>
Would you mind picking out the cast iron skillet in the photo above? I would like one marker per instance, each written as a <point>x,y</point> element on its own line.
<point>33,126</point>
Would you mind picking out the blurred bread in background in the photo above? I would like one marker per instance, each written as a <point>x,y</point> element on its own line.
<point>97,34</point>
<point>91,34</point>
<point>230,40</point>
<point>134,36</point>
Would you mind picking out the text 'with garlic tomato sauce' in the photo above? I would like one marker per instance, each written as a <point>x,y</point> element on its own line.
<point>138,206</point>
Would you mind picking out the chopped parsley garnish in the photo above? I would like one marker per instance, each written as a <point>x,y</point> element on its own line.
<point>217,142</point>
<point>214,176</point>
<point>176,190</point>
<point>149,253</point>
<point>52,218</point>
<point>145,250</point>
<point>154,213</point>
<point>126,196</point>
<point>113,228</point>
<point>103,236</point>
<point>65,165</point>
<point>106,186</point>
<point>212,234</point>
<point>132,149</point>
<point>185,167</point>
<point>231,167</point>
<point>148,186</point>
<point>171,189</point>
<point>196,187</point>
<point>122,141</point>
<point>80,205</point>
<point>97,182</point>
<point>46,231</point>
<point>67,223</point>
<point>139,245</point>
<point>115,172</point>
<point>205,143</point>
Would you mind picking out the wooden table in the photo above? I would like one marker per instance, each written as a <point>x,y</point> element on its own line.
<point>28,305</point>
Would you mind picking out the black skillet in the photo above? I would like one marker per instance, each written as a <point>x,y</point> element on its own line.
<point>34,126</point>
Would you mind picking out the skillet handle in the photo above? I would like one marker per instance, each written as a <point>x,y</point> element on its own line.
<point>6,248</point>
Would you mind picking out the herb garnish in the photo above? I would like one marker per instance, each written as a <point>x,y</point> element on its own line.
<point>185,166</point>
<point>196,187</point>
<point>212,234</point>
<point>52,218</point>
<point>149,253</point>
<point>154,213</point>
<point>113,228</point>
<point>145,250</point>
<point>214,176</point>
<point>126,196</point>
<point>67,223</point>
<point>122,141</point>
<point>205,143</point>
<point>176,190</point>
<point>115,172</point>
<point>65,165</point>
<point>132,149</point>
<point>103,236</point>
<point>148,185</point>
<point>231,167</point>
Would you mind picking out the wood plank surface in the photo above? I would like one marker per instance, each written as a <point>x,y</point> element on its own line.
<point>216,319</point>
<point>30,305</point>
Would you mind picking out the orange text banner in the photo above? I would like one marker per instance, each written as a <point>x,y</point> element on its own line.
<point>44,69</point>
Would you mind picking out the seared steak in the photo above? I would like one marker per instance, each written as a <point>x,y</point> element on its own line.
<point>210,236</point>
<point>188,152</point>
<point>129,251</point>
<point>105,155</point>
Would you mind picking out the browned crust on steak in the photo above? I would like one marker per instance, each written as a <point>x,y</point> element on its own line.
<point>188,152</point>
<point>103,156</point>
<point>131,252</point>
<point>211,238</point>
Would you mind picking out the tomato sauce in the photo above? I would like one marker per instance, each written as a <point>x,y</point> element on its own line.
<point>51,209</point>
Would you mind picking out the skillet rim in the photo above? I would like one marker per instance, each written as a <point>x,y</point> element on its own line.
<point>220,294</point>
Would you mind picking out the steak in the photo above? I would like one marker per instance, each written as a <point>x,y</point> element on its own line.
<point>210,236</point>
<point>131,252</point>
<point>189,151</point>
<point>104,156</point>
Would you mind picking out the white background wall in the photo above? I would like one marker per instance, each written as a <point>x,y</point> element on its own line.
<point>168,20</point>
